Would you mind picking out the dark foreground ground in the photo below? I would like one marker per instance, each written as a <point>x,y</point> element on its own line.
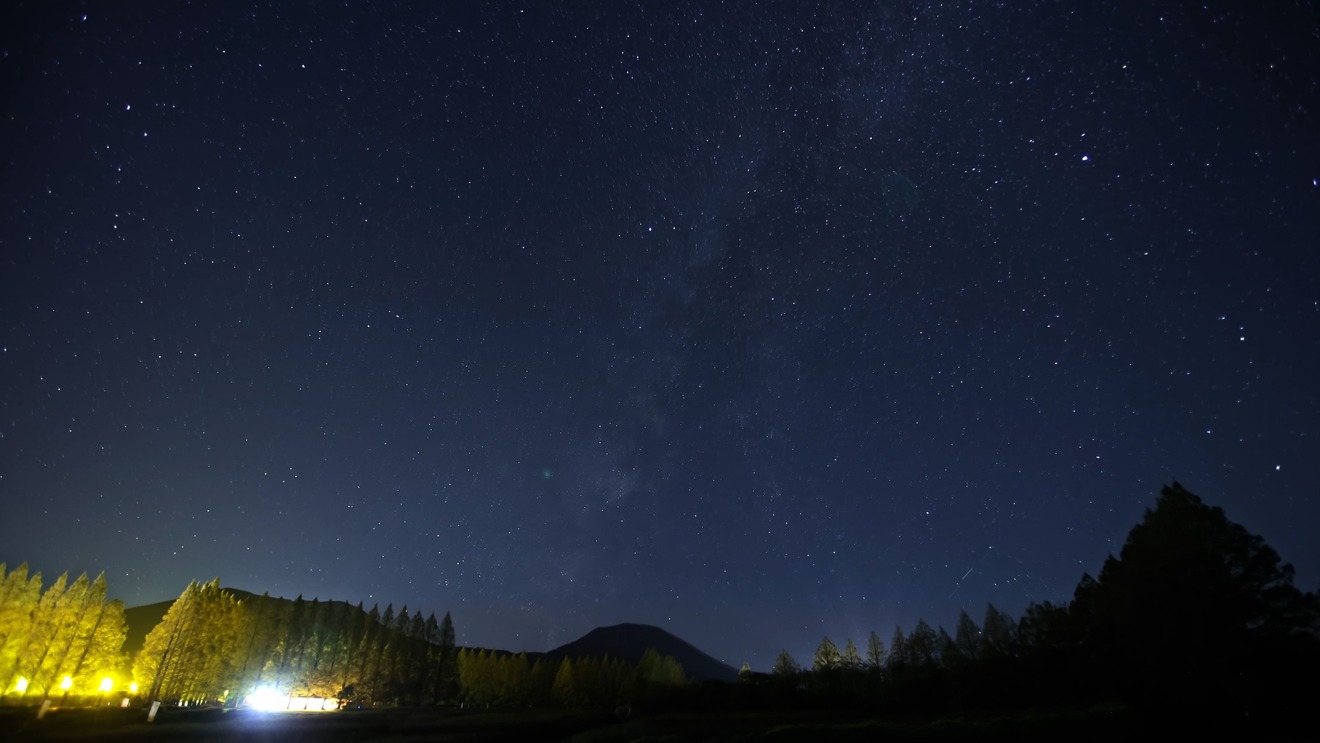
<point>19,725</point>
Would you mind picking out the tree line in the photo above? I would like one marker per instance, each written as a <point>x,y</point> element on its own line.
<point>214,647</point>
<point>62,641</point>
<point>490,678</point>
<point>1194,616</point>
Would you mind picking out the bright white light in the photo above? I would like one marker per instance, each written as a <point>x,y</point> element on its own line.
<point>107,684</point>
<point>22,685</point>
<point>267,699</point>
<point>66,683</point>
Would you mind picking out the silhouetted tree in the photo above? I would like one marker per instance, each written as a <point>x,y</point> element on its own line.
<point>1195,612</point>
<point>448,670</point>
<point>967,637</point>
<point>785,665</point>
<point>875,652</point>
<point>923,645</point>
<point>898,650</point>
<point>998,634</point>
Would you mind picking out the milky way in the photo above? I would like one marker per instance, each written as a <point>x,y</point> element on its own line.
<point>757,323</point>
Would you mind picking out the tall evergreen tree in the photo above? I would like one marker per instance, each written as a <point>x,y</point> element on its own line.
<point>967,637</point>
<point>42,636</point>
<point>19,597</point>
<point>565,685</point>
<point>69,630</point>
<point>851,659</point>
<point>785,665</point>
<point>899,656</point>
<point>827,656</point>
<point>190,654</point>
<point>998,634</point>
<point>875,652</point>
<point>448,672</point>
<point>103,654</point>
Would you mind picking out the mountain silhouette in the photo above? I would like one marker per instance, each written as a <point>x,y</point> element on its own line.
<point>630,641</point>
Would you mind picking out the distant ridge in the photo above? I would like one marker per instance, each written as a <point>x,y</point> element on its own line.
<point>630,641</point>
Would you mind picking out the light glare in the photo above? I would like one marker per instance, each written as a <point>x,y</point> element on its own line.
<point>267,699</point>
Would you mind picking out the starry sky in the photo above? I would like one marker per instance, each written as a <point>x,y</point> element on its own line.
<point>754,321</point>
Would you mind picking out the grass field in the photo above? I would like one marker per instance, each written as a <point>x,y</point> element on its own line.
<point>18,725</point>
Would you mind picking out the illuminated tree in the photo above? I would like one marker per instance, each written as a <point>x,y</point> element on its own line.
<point>851,659</point>
<point>827,656</point>
<point>377,680</point>
<point>19,597</point>
<point>366,653</point>
<point>69,631</point>
<point>261,629</point>
<point>354,636</point>
<point>43,635</point>
<point>190,655</point>
<point>565,686</point>
<point>94,636</point>
<point>102,654</point>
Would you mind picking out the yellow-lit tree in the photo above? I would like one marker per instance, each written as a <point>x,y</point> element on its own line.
<point>67,631</point>
<point>190,655</point>
<point>19,597</point>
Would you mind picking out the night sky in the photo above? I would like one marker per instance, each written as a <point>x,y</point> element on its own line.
<point>757,322</point>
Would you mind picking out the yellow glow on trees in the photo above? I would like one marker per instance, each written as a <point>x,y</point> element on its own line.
<point>189,655</point>
<point>56,634</point>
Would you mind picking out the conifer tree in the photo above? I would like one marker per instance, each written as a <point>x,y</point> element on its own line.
<point>967,637</point>
<point>448,671</point>
<point>66,631</point>
<point>785,665</point>
<point>923,645</point>
<point>19,596</point>
<point>190,654</point>
<point>827,656</point>
<point>565,685</point>
<point>103,655</point>
<point>852,659</point>
<point>875,652</point>
<point>47,618</point>
<point>899,656</point>
<point>998,634</point>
